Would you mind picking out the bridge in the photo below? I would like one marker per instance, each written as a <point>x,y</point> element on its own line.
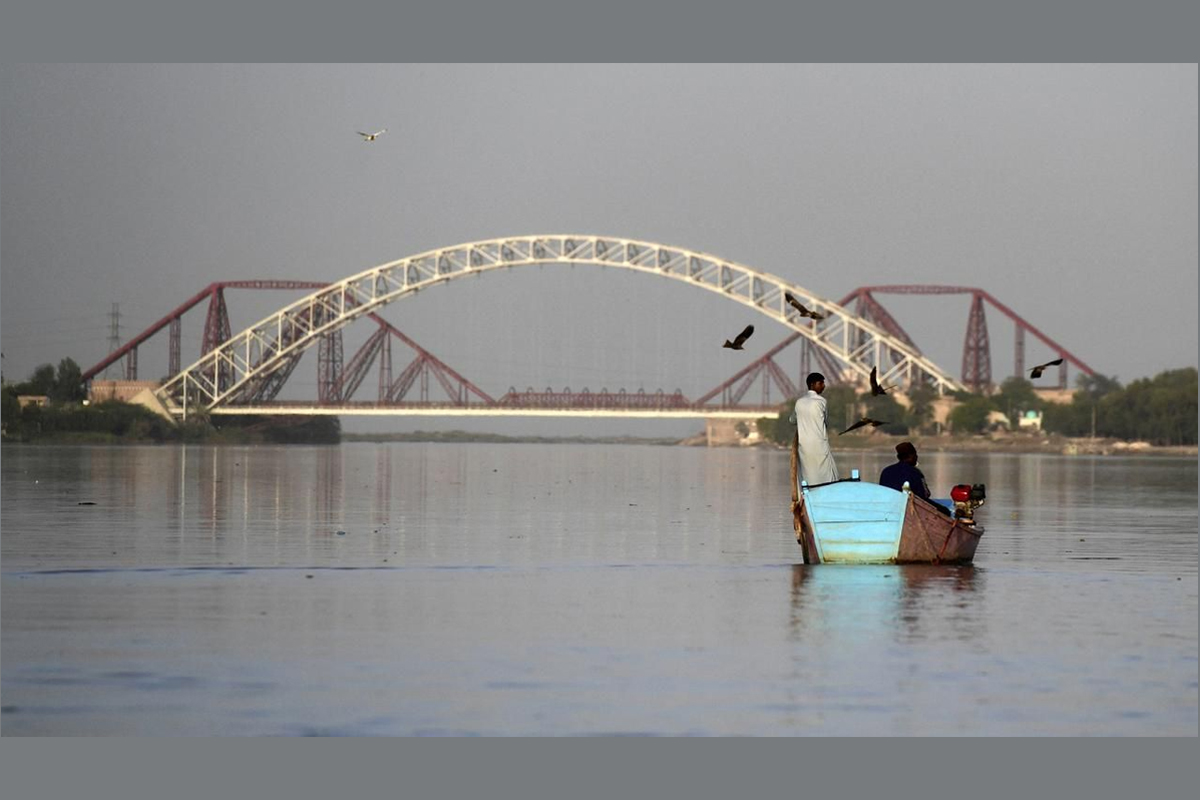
<point>243,373</point>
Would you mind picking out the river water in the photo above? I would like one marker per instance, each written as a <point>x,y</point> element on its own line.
<point>548,590</point>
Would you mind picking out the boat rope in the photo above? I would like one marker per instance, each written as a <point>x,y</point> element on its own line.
<point>912,503</point>
<point>949,535</point>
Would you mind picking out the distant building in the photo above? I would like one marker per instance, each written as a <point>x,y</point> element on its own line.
<point>1030,421</point>
<point>39,400</point>
<point>101,391</point>
<point>1059,396</point>
<point>997,420</point>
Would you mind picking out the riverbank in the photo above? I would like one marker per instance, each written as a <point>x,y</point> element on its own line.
<point>1018,443</point>
<point>1002,443</point>
<point>496,438</point>
<point>117,423</point>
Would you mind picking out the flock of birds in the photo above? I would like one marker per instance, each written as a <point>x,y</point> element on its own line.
<point>741,338</point>
<point>876,389</point>
<point>739,341</point>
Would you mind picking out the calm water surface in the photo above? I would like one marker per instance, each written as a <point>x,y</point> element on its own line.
<point>517,590</point>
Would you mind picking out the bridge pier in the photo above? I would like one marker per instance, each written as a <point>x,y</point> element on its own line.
<point>149,400</point>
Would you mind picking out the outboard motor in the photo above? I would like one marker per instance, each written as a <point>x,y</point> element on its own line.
<point>966,499</point>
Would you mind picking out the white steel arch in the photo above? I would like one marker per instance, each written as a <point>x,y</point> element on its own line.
<point>237,367</point>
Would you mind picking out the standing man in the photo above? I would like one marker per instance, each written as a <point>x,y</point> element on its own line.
<point>812,436</point>
<point>904,470</point>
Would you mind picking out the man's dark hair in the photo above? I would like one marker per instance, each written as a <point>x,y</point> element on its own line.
<point>905,450</point>
<point>812,378</point>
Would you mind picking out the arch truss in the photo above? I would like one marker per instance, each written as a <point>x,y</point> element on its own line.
<point>237,370</point>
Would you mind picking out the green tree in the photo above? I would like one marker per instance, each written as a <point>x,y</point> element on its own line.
<point>41,381</point>
<point>841,404</point>
<point>778,428</point>
<point>1161,410</point>
<point>971,415</point>
<point>1015,396</point>
<point>1096,386</point>
<point>314,430</point>
<point>68,383</point>
<point>10,409</point>
<point>31,419</point>
<point>1076,418</point>
<point>1070,419</point>
<point>920,409</point>
<point>841,407</point>
<point>886,408</point>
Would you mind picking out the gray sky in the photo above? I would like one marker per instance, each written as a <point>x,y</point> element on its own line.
<point>1068,192</point>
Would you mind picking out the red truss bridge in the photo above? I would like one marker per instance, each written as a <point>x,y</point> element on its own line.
<point>976,358</point>
<point>243,373</point>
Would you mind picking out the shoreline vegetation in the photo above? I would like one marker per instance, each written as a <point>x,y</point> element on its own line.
<point>996,443</point>
<point>1152,416</point>
<point>1016,443</point>
<point>290,432</point>
<point>115,422</point>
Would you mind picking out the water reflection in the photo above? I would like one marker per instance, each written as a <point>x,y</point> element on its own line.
<point>912,601</point>
<point>383,486</point>
<point>329,487</point>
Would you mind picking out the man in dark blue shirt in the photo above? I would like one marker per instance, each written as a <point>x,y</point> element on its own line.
<point>905,469</point>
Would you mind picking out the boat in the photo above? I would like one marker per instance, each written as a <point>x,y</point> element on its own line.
<point>852,522</point>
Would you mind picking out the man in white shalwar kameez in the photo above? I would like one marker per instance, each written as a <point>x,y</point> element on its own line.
<point>816,461</point>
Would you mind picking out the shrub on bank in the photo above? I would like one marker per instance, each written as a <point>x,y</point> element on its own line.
<point>1161,410</point>
<point>279,430</point>
<point>106,421</point>
<point>114,421</point>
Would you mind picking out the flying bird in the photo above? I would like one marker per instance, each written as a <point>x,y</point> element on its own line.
<point>737,343</point>
<point>804,312</point>
<point>864,421</point>
<point>1036,372</point>
<point>370,137</point>
<point>876,389</point>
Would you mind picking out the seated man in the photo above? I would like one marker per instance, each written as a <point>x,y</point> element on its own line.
<point>905,469</point>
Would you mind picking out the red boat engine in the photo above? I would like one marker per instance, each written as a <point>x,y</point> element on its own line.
<point>966,499</point>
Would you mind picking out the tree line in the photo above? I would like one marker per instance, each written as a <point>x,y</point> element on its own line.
<point>1161,410</point>
<point>66,418</point>
<point>63,385</point>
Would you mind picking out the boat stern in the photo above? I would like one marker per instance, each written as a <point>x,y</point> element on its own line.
<point>853,522</point>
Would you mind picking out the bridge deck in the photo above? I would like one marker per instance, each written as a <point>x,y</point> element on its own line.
<point>370,409</point>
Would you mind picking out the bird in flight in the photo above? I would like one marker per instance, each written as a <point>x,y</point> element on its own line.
<point>876,389</point>
<point>737,343</point>
<point>370,137</point>
<point>864,421</point>
<point>804,312</point>
<point>1036,372</point>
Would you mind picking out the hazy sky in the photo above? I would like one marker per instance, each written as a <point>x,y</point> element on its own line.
<point>1068,192</point>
